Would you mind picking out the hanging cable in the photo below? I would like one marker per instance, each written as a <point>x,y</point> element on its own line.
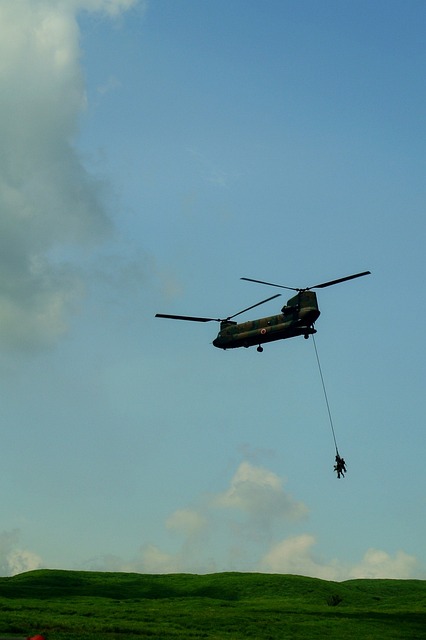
<point>325,394</point>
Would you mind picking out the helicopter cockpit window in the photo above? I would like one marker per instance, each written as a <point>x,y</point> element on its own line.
<point>287,311</point>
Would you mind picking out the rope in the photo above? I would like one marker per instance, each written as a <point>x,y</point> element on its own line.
<point>325,395</point>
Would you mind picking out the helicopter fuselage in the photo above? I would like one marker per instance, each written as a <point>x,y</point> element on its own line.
<point>297,318</point>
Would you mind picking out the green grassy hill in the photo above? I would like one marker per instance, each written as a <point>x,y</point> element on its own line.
<point>226,606</point>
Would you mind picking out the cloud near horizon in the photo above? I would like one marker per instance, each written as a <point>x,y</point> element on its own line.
<point>295,555</point>
<point>48,199</point>
<point>379,564</point>
<point>14,559</point>
<point>251,544</point>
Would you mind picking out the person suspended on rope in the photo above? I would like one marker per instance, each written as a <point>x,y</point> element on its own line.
<point>340,466</point>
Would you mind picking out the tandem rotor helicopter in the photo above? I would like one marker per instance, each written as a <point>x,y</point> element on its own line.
<point>297,318</point>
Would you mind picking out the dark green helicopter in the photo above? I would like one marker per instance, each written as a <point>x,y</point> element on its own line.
<point>297,318</point>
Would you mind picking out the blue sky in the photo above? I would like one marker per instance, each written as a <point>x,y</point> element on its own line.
<point>154,153</point>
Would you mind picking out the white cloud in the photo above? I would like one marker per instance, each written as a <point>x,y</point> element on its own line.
<point>379,564</point>
<point>152,560</point>
<point>260,493</point>
<point>13,559</point>
<point>47,197</point>
<point>20,560</point>
<point>186,521</point>
<point>232,531</point>
<point>294,555</point>
<point>215,539</point>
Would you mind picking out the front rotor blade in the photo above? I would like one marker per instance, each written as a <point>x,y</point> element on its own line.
<point>277,295</point>
<point>328,284</point>
<point>191,318</point>
<point>270,284</point>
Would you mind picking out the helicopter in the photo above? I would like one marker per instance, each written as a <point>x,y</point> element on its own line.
<point>297,318</point>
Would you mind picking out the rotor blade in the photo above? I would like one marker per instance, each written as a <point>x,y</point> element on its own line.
<point>328,284</point>
<point>198,319</point>
<point>270,284</point>
<point>277,295</point>
<point>191,318</point>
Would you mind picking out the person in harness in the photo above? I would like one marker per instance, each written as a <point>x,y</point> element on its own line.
<point>340,466</point>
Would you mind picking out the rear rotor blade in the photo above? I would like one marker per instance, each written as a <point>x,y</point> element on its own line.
<point>277,295</point>
<point>191,318</point>
<point>331,282</point>
<point>198,319</point>
<point>270,284</point>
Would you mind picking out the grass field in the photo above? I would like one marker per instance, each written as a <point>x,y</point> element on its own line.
<point>67,605</point>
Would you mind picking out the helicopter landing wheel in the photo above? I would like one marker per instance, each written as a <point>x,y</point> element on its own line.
<point>306,336</point>
<point>259,349</point>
